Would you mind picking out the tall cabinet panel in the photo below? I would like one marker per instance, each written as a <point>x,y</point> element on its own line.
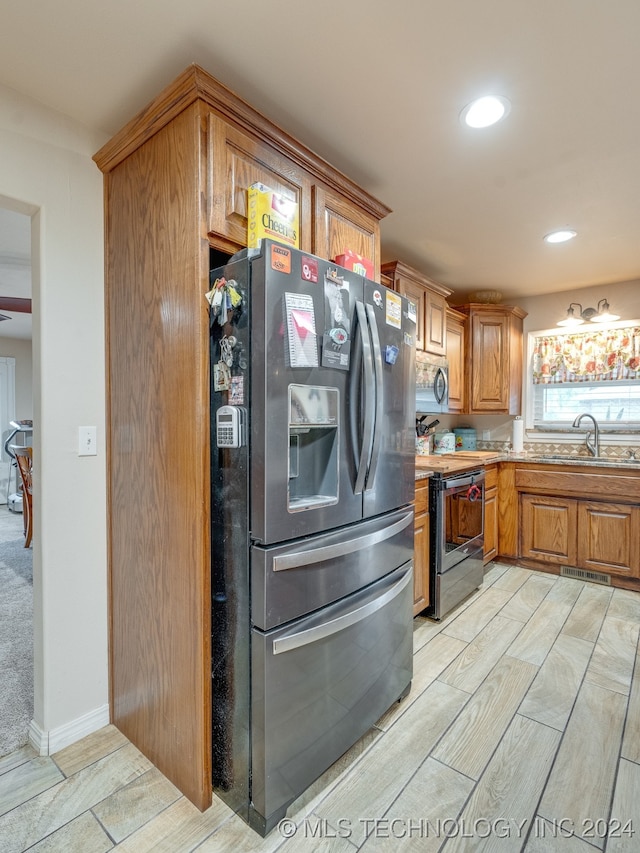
<point>175,180</point>
<point>158,454</point>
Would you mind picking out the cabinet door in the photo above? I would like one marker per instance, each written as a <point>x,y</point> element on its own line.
<point>609,537</point>
<point>421,548</point>
<point>418,295</point>
<point>238,160</point>
<point>489,386</point>
<point>549,529</point>
<point>339,224</point>
<point>435,331</point>
<point>455,357</point>
<point>431,315</point>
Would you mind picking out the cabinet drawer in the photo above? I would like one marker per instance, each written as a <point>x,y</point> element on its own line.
<point>618,486</point>
<point>490,477</point>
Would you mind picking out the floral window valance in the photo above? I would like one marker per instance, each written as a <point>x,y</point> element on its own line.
<point>596,355</point>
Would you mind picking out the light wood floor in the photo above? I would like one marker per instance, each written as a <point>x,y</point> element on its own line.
<point>521,732</point>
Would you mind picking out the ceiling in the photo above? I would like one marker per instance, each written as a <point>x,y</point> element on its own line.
<point>376,88</point>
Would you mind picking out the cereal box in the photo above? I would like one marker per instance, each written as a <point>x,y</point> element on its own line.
<point>271,215</point>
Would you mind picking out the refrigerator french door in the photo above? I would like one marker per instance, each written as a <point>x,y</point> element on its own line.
<point>344,406</point>
<point>312,526</point>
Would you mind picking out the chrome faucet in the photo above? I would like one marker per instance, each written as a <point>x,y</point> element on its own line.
<point>592,446</point>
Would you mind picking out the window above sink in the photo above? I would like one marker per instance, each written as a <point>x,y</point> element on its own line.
<point>597,372</point>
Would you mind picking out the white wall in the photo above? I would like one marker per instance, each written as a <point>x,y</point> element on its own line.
<point>545,311</point>
<point>46,171</point>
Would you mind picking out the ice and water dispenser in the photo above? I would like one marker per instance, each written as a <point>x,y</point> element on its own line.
<point>313,446</point>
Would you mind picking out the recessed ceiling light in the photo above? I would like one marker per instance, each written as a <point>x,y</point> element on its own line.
<point>485,111</point>
<point>560,236</point>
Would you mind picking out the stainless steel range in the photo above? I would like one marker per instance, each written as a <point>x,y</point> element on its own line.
<point>456,506</point>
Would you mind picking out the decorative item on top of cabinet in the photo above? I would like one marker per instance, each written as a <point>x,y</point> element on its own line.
<point>456,324</point>
<point>421,548</point>
<point>494,358</point>
<point>430,299</point>
<point>175,187</point>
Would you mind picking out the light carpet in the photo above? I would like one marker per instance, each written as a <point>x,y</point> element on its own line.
<point>16,644</point>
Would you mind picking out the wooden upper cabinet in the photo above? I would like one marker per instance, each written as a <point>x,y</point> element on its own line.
<point>456,335</point>
<point>339,225</point>
<point>430,299</point>
<point>494,358</point>
<point>238,160</point>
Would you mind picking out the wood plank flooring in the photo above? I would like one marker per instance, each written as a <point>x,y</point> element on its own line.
<point>521,733</point>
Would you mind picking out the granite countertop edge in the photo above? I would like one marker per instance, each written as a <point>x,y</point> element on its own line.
<point>543,459</point>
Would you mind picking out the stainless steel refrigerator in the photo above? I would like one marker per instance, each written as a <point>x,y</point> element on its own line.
<point>313,461</point>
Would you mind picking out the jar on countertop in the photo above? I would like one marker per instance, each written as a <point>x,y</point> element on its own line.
<point>466,438</point>
<point>444,442</point>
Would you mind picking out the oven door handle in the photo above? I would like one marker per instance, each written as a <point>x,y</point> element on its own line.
<point>450,485</point>
<point>340,623</point>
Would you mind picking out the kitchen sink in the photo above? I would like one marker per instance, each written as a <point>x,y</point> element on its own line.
<point>585,460</point>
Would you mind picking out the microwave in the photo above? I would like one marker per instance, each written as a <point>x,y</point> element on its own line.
<point>432,383</point>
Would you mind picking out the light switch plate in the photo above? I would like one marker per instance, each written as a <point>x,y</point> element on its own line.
<point>87,441</point>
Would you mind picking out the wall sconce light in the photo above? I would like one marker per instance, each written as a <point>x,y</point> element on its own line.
<point>600,314</point>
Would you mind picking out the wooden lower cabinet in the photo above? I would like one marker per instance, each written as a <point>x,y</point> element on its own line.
<point>549,530</point>
<point>490,513</point>
<point>593,535</point>
<point>421,548</point>
<point>609,538</point>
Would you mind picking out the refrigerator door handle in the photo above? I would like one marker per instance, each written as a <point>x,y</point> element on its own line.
<point>369,396</point>
<point>330,552</point>
<point>377,434</point>
<point>340,623</point>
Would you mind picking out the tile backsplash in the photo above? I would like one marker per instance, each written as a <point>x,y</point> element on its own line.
<point>617,451</point>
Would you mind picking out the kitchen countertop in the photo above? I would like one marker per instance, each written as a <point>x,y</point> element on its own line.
<point>452,463</point>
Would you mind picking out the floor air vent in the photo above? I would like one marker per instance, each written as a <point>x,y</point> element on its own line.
<point>582,575</point>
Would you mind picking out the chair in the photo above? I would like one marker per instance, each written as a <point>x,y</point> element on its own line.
<point>24,458</point>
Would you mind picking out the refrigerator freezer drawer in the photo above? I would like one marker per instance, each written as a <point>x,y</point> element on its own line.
<point>320,683</point>
<point>292,580</point>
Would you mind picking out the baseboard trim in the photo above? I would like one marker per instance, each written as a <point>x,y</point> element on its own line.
<point>47,742</point>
